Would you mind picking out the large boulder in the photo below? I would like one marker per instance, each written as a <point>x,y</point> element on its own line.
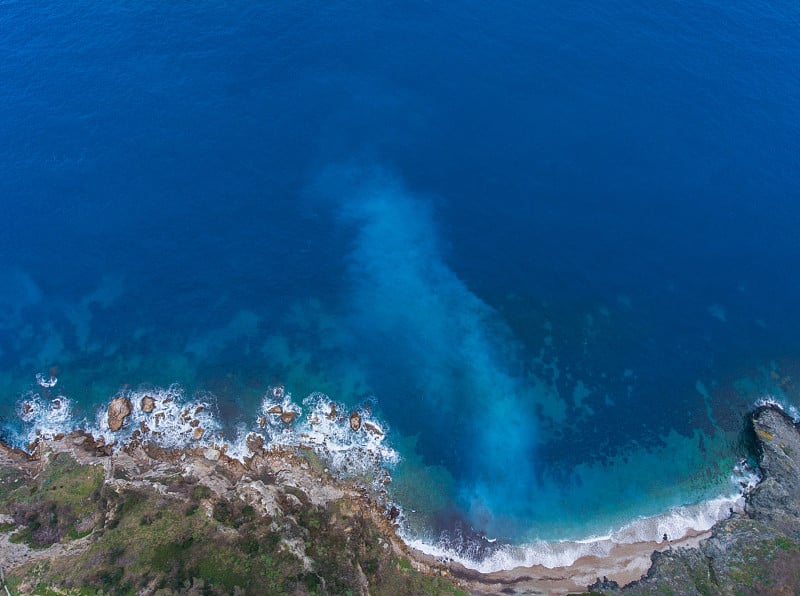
<point>119,409</point>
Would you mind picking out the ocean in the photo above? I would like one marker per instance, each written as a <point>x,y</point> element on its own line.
<point>547,251</point>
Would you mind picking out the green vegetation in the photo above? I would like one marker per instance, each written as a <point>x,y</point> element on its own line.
<point>765,562</point>
<point>62,503</point>
<point>189,540</point>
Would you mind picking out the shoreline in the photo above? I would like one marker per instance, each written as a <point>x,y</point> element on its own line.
<point>624,562</point>
<point>622,556</point>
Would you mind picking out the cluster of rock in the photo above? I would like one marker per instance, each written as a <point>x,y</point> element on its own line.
<point>288,416</point>
<point>121,407</point>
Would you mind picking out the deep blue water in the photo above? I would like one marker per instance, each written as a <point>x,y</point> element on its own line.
<point>555,247</point>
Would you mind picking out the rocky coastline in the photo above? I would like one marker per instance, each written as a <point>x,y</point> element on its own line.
<point>82,514</point>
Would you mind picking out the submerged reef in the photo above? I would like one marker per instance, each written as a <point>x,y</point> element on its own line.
<point>81,514</point>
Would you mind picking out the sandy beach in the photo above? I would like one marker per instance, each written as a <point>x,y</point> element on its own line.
<point>624,564</point>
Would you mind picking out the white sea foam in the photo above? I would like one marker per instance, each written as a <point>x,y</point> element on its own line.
<point>676,523</point>
<point>325,428</point>
<point>43,416</point>
<point>173,422</point>
<point>770,400</point>
<point>177,420</point>
<point>46,382</point>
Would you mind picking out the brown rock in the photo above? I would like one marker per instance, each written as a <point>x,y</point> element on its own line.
<point>148,404</point>
<point>333,413</point>
<point>373,429</point>
<point>194,423</point>
<point>198,409</point>
<point>198,433</point>
<point>275,410</point>
<point>288,417</point>
<point>255,443</point>
<point>118,410</point>
<point>262,421</point>
<point>355,420</point>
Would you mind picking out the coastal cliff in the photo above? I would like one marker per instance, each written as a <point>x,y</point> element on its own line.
<point>80,515</point>
<point>757,552</point>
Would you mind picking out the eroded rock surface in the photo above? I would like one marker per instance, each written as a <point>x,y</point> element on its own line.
<point>195,519</point>
<point>119,409</point>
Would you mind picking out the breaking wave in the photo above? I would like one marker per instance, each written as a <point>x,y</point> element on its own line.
<point>488,556</point>
<point>770,400</point>
<point>349,441</point>
<point>352,442</point>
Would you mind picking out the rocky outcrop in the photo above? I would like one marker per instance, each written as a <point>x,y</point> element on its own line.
<point>196,518</point>
<point>776,499</point>
<point>355,421</point>
<point>119,409</point>
<point>148,404</point>
<point>757,552</point>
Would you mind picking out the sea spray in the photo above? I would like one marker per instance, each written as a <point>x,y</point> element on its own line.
<point>675,524</point>
<point>770,400</point>
<point>175,420</point>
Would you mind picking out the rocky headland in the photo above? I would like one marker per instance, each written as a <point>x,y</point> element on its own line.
<point>80,514</point>
<point>756,552</point>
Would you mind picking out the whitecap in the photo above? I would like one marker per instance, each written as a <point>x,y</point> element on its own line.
<point>46,382</point>
<point>676,524</point>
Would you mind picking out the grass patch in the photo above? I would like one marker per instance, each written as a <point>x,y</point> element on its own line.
<point>170,543</point>
<point>63,502</point>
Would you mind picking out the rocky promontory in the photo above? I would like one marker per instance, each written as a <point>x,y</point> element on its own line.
<point>77,517</point>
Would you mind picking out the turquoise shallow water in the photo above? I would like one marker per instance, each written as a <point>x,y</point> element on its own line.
<point>550,250</point>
